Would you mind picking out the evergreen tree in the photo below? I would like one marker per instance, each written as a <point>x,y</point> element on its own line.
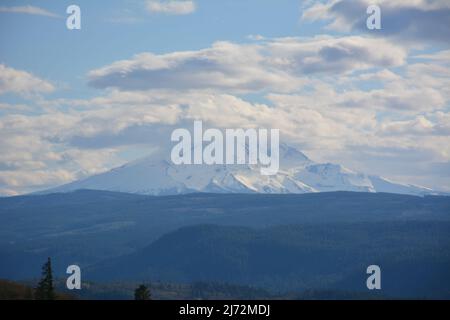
<point>142,293</point>
<point>45,290</point>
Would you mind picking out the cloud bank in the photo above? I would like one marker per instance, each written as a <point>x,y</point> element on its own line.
<point>418,21</point>
<point>22,82</point>
<point>277,65</point>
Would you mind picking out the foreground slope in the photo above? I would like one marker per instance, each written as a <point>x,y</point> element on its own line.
<point>87,227</point>
<point>414,257</point>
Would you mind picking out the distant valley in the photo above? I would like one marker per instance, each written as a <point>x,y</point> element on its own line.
<point>282,243</point>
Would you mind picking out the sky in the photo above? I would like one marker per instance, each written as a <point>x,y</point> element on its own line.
<point>74,103</point>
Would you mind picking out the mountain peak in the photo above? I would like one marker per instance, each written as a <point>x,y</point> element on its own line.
<point>156,175</point>
<point>291,157</point>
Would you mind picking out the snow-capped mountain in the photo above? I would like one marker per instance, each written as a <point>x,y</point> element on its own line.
<point>297,174</point>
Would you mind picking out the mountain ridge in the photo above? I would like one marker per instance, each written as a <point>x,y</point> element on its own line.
<point>298,174</point>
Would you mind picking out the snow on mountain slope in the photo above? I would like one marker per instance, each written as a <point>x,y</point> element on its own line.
<point>297,174</point>
<point>333,177</point>
<point>384,185</point>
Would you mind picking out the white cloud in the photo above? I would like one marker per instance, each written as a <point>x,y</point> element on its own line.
<point>443,55</point>
<point>225,66</point>
<point>174,7</point>
<point>418,21</point>
<point>29,10</point>
<point>330,55</point>
<point>14,108</point>
<point>55,147</point>
<point>420,125</point>
<point>319,90</point>
<point>255,37</point>
<point>280,65</point>
<point>22,82</point>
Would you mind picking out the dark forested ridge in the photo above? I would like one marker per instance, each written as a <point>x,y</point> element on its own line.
<point>279,242</point>
<point>414,257</point>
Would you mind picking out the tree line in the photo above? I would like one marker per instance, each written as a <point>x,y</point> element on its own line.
<point>45,289</point>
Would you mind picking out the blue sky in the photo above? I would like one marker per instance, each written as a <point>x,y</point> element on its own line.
<point>123,28</point>
<point>78,102</point>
